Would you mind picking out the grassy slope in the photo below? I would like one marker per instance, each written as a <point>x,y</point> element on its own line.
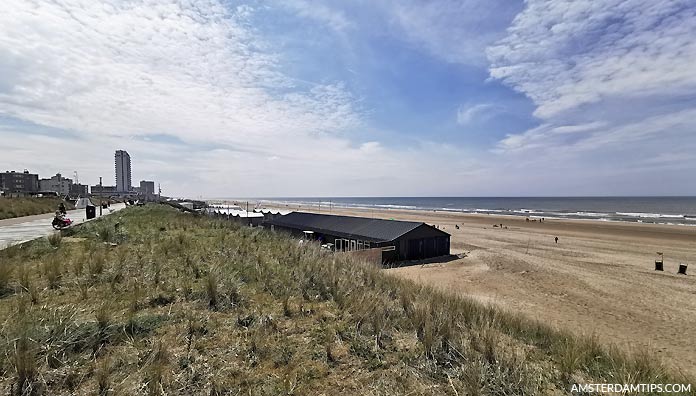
<point>18,207</point>
<point>187,305</point>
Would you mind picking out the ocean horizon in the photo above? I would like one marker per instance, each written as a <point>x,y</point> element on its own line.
<point>676,210</point>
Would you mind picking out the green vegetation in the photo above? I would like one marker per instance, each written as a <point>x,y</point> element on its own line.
<point>18,207</point>
<point>170,303</point>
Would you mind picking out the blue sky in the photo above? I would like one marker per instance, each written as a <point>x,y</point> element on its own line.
<point>355,98</point>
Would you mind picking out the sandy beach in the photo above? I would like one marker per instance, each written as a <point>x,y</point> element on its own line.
<point>598,279</point>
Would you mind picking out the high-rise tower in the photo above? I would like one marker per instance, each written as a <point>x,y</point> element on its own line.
<point>123,171</point>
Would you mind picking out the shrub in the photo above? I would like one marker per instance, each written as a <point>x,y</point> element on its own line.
<point>6,270</point>
<point>103,373</point>
<point>25,364</point>
<point>103,316</point>
<point>195,328</point>
<point>235,292</point>
<point>53,270</point>
<point>55,239</point>
<point>287,311</point>
<point>96,263</point>
<point>159,359</point>
<point>211,288</point>
<point>23,278</point>
<point>105,232</point>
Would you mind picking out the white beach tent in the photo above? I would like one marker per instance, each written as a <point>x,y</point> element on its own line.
<point>82,203</point>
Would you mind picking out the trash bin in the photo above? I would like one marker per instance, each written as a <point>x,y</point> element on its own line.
<point>91,211</point>
<point>682,269</point>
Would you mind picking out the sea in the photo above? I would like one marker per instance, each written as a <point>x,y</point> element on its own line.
<point>655,210</point>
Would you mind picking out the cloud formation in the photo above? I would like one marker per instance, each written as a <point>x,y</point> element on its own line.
<point>188,89</point>
<point>332,17</point>
<point>211,100</point>
<point>609,73</point>
<point>454,30</point>
<point>130,68</point>
<point>566,54</point>
<point>467,114</point>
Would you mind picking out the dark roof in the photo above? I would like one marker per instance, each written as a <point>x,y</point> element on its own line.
<point>376,230</point>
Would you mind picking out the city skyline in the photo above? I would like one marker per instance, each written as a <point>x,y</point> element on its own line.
<point>27,182</point>
<point>444,98</point>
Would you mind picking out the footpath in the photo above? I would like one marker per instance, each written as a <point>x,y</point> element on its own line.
<point>27,228</point>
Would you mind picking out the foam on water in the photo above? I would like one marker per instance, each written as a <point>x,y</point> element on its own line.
<point>652,210</point>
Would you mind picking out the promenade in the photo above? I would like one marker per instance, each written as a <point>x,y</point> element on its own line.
<point>27,228</point>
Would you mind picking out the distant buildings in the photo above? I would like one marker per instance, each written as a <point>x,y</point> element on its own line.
<point>27,184</point>
<point>123,171</point>
<point>124,186</point>
<point>147,189</point>
<point>56,183</point>
<point>104,190</point>
<point>79,190</point>
<point>12,182</point>
<point>63,186</point>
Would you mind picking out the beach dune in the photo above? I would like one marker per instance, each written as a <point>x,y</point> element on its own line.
<point>598,279</point>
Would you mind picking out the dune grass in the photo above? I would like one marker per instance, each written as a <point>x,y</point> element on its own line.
<point>18,207</point>
<point>174,304</point>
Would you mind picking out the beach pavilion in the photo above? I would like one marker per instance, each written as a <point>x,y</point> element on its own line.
<point>408,240</point>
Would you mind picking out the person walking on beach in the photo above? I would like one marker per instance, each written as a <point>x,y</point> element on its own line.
<point>556,239</point>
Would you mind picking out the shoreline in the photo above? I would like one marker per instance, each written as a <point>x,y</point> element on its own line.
<point>651,230</point>
<point>665,219</point>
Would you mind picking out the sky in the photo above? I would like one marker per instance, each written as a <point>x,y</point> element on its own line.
<point>355,98</point>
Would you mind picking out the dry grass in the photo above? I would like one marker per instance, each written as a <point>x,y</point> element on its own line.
<point>55,239</point>
<point>6,271</point>
<point>187,305</point>
<point>18,207</point>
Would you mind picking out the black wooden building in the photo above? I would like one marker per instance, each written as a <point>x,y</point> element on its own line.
<point>410,240</point>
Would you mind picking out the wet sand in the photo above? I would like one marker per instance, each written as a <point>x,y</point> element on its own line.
<point>598,279</point>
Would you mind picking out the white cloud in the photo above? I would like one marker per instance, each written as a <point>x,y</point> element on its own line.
<point>157,67</point>
<point>610,79</point>
<point>370,147</point>
<point>467,114</point>
<point>677,124</point>
<point>319,12</point>
<point>193,94</point>
<point>204,106</point>
<point>546,135</point>
<point>116,71</point>
<point>566,54</point>
<point>457,31</point>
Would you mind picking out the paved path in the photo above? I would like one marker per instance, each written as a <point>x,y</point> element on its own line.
<point>23,229</point>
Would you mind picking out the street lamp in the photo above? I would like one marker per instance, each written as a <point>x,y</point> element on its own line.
<point>101,196</point>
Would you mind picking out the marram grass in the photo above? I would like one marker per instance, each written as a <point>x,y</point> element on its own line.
<point>174,304</point>
<point>18,207</point>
